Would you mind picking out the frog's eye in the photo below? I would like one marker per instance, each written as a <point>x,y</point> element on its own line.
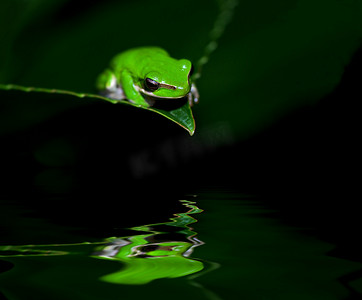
<point>151,84</point>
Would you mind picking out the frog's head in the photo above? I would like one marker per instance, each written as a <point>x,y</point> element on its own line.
<point>169,80</point>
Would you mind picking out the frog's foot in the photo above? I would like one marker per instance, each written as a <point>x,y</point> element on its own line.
<point>115,94</point>
<point>193,96</point>
<point>108,86</point>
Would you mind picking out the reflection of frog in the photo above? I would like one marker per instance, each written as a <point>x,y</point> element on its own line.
<point>153,256</point>
<point>146,262</point>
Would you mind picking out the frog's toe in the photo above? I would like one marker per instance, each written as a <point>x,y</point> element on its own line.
<point>190,98</point>
<point>195,94</point>
<point>115,94</point>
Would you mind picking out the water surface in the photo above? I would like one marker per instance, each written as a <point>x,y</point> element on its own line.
<point>217,245</point>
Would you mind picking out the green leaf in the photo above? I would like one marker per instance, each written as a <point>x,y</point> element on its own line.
<point>181,115</point>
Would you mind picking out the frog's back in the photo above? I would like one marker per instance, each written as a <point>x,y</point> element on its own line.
<point>136,56</point>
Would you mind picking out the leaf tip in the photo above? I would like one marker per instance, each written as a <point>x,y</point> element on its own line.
<point>191,131</point>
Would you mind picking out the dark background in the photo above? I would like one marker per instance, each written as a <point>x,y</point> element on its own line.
<point>278,115</point>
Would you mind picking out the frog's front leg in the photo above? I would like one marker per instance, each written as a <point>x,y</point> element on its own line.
<point>193,96</point>
<point>131,93</point>
<point>108,86</point>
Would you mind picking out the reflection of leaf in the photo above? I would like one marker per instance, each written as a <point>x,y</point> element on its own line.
<point>181,115</point>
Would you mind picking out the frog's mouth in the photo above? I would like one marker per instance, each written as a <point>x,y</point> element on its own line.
<point>161,102</point>
<point>149,94</point>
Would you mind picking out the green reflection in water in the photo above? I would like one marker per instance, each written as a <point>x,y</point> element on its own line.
<point>157,251</point>
<point>150,256</point>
